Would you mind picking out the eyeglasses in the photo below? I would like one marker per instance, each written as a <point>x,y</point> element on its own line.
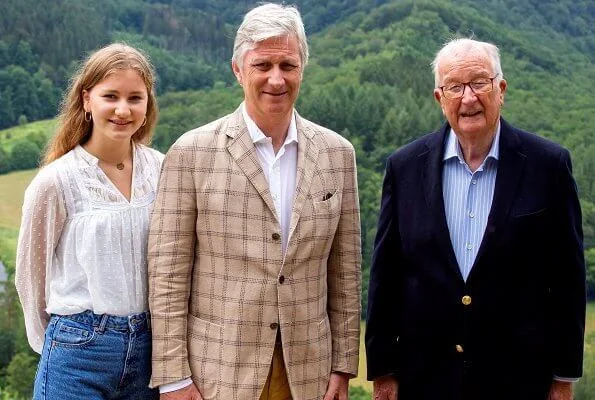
<point>457,90</point>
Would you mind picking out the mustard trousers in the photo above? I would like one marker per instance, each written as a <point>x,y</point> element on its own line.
<point>277,385</point>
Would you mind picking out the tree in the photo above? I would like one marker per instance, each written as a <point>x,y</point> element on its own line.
<point>24,92</point>
<point>20,374</point>
<point>39,138</point>
<point>24,155</point>
<point>23,57</point>
<point>48,95</point>
<point>358,393</point>
<point>6,347</point>
<point>7,116</point>
<point>4,161</point>
<point>4,54</point>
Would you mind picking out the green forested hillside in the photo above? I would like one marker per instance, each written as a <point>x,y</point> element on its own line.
<point>189,41</point>
<point>369,79</point>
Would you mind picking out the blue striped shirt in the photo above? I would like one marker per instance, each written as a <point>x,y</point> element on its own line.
<point>467,199</point>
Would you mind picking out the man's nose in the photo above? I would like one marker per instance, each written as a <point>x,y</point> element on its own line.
<point>276,76</point>
<point>468,94</point>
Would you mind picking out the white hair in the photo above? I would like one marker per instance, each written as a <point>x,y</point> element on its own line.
<point>269,21</point>
<point>459,47</point>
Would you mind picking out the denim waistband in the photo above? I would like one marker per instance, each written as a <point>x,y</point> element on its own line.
<point>132,322</point>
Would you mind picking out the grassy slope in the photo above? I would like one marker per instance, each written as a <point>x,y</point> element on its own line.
<point>12,188</point>
<point>590,323</point>
<point>360,380</point>
<point>9,136</point>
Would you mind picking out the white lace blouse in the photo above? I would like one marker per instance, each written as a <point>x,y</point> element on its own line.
<point>82,245</point>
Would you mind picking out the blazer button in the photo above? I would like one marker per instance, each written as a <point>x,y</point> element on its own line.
<point>466,300</point>
<point>276,236</point>
<point>459,348</point>
<point>274,325</point>
<point>281,279</point>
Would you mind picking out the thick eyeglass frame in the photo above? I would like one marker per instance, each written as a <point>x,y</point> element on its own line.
<point>470,84</point>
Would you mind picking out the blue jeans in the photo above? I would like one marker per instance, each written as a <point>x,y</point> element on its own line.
<point>95,357</point>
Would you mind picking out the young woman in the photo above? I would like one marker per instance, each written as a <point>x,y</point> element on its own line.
<point>81,259</point>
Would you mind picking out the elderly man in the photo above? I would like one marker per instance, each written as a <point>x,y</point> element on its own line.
<point>477,288</point>
<point>255,240</point>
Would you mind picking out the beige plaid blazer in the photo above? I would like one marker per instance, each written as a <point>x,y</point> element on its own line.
<point>218,282</point>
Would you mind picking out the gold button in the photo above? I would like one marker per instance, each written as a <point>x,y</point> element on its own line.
<point>466,300</point>
<point>459,348</point>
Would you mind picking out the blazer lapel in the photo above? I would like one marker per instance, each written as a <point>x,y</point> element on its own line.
<point>307,160</point>
<point>432,183</point>
<point>511,164</point>
<point>242,150</point>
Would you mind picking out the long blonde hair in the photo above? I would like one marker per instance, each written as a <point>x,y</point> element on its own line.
<point>72,128</point>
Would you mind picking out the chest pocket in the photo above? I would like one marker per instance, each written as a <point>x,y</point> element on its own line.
<point>325,216</point>
<point>329,205</point>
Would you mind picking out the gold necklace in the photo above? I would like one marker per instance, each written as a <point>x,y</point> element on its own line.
<point>119,166</point>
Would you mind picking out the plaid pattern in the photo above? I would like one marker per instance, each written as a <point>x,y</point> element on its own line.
<point>215,264</point>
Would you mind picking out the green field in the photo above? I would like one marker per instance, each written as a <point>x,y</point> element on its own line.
<point>360,380</point>
<point>12,188</point>
<point>11,135</point>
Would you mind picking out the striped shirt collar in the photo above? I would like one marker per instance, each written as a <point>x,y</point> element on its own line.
<point>454,150</point>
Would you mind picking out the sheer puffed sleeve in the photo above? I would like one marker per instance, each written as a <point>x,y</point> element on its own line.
<point>44,215</point>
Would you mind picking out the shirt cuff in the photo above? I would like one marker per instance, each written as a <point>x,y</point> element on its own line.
<point>170,387</point>
<point>563,379</point>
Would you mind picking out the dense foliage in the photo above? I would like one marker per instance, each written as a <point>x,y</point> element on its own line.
<point>369,79</point>
<point>189,42</point>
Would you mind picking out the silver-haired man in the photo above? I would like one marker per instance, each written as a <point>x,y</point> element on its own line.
<point>254,250</point>
<point>477,286</point>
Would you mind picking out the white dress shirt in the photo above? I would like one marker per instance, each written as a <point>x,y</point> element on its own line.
<point>280,169</point>
<point>82,245</point>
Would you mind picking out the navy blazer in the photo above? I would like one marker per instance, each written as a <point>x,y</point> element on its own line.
<point>518,320</point>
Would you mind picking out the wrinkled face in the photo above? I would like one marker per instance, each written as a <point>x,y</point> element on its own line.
<point>473,115</point>
<point>118,105</point>
<point>271,75</point>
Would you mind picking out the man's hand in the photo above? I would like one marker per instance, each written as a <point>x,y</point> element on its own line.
<point>189,392</point>
<point>338,387</point>
<point>386,388</point>
<point>560,391</point>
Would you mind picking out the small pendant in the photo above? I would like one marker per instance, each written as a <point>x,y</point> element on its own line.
<point>120,166</point>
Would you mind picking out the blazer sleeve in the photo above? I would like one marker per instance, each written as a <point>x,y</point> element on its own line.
<point>344,276</point>
<point>172,241</point>
<point>568,285</point>
<point>382,330</point>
